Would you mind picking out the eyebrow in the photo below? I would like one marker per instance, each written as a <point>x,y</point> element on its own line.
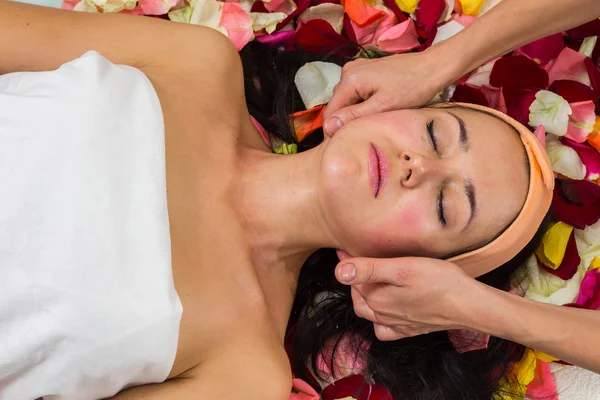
<point>470,193</point>
<point>463,138</point>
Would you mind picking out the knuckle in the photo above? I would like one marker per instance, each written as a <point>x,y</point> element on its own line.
<point>372,271</point>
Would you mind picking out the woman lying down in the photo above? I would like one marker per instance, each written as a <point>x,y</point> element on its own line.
<point>122,277</point>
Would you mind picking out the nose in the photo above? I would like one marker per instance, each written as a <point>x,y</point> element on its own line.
<point>417,169</point>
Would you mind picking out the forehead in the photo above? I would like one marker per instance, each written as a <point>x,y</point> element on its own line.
<point>497,165</point>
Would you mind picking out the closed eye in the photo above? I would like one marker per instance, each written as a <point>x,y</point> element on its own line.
<point>431,135</point>
<point>440,208</point>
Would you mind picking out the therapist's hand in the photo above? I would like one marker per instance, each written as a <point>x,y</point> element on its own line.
<point>384,84</point>
<point>411,296</point>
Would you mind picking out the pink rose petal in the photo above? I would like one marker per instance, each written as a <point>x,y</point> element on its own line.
<point>69,4</point>
<point>370,33</point>
<point>588,155</point>
<point>399,38</point>
<point>569,65</point>
<point>391,4</point>
<point>156,7</point>
<point>542,386</point>
<point>540,134</point>
<point>304,391</point>
<point>581,120</point>
<point>345,360</point>
<point>544,50</point>
<point>589,293</point>
<point>464,19</point>
<point>238,24</point>
<point>284,6</point>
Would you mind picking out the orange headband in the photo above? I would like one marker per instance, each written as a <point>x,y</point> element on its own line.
<point>539,196</point>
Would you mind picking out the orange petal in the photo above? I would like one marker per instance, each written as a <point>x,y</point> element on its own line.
<point>360,12</point>
<point>306,122</point>
<point>594,137</point>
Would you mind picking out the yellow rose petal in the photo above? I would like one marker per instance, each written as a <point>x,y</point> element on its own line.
<point>552,250</point>
<point>545,357</point>
<point>470,7</point>
<point>594,264</point>
<point>408,6</point>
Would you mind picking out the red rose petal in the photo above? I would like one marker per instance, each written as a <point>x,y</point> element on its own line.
<point>569,264</point>
<point>518,73</point>
<point>594,74</point>
<point>350,386</point>
<point>318,36</point>
<point>589,157</point>
<point>428,13</point>
<point>592,28</point>
<point>518,102</point>
<point>495,97</point>
<point>467,93</point>
<point>348,30</point>
<point>391,4</point>
<point>576,203</point>
<point>545,49</point>
<point>276,38</point>
<point>572,91</point>
<point>302,5</point>
<point>259,7</point>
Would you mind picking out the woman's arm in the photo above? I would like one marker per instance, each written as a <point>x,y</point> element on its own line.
<point>411,80</point>
<point>34,38</point>
<point>509,25</point>
<point>567,333</point>
<point>411,296</point>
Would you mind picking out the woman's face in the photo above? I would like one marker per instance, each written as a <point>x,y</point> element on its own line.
<point>429,182</point>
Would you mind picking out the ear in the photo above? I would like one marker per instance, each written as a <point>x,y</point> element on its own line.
<point>342,255</point>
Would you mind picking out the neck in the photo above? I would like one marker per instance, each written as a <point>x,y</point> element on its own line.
<point>277,202</point>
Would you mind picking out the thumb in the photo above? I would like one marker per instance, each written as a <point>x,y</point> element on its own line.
<point>349,113</point>
<point>393,271</point>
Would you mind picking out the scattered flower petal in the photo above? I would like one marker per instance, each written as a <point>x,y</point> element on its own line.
<point>542,386</point>
<point>348,358</point>
<point>544,50</point>
<point>570,261</point>
<point>576,203</point>
<point>156,7</point>
<point>370,33</point>
<point>540,134</point>
<point>315,82</point>
<point>470,7</point>
<point>518,103</point>
<point>360,12</point>
<point>595,264</point>
<point>550,110</point>
<point>318,36</point>
<point>284,6</point>
<point>588,45</point>
<point>237,23</point>
<point>273,39</point>
<point>581,121</point>
<point>495,98</point>
<point>589,157</point>
<point>332,13</point>
<point>399,38</point>
<point>408,6</point>
<point>569,65</point>
<point>565,160</point>
<point>446,31</point>
<point>572,91</point>
<point>267,21</point>
<point>303,391</point>
<point>306,122</point>
<point>554,244</point>
<point>518,73</point>
<point>545,357</point>
<point>430,12</point>
<point>589,294</point>
<point>464,340</point>
<point>594,137</point>
<point>591,28</point>
<point>466,93</point>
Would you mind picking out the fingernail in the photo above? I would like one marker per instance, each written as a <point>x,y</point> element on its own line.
<point>333,124</point>
<point>347,272</point>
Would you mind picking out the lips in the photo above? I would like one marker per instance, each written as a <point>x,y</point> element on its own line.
<point>378,170</point>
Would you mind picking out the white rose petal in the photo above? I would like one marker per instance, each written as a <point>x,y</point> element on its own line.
<point>84,6</point>
<point>266,21</point>
<point>550,110</point>
<point>332,13</point>
<point>446,31</point>
<point>564,159</point>
<point>481,76</point>
<point>206,13</point>
<point>447,12</point>
<point>315,82</point>
<point>588,45</point>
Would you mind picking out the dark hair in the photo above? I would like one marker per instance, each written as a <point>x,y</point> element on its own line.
<point>425,367</point>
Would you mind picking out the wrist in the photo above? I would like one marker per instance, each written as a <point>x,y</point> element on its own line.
<point>447,61</point>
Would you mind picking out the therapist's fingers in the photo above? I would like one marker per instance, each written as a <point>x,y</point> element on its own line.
<point>386,333</point>
<point>394,271</point>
